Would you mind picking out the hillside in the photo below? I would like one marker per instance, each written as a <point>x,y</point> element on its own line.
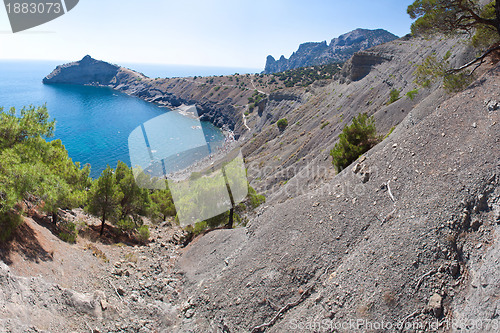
<point>425,223</point>
<point>223,100</point>
<point>339,50</point>
<point>406,235</point>
<point>337,248</point>
<point>285,164</point>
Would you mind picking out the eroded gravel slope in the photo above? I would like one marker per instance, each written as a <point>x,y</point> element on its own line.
<point>351,252</point>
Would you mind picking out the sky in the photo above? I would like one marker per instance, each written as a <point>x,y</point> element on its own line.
<point>222,33</point>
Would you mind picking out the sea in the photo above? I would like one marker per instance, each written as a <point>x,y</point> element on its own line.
<point>95,123</point>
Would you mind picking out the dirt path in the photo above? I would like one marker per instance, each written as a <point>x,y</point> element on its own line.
<point>245,122</point>
<point>260,91</point>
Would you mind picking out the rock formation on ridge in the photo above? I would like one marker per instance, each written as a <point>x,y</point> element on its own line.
<point>339,50</point>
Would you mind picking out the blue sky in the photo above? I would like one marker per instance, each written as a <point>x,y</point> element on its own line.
<point>232,33</point>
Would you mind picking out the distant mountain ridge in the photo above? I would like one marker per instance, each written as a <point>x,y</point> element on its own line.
<point>339,50</point>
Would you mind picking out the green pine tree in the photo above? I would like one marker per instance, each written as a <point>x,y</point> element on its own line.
<point>31,167</point>
<point>163,204</point>
<point>355,140</point>
<point>104,197</point>
<point>135,200</point>
<point>451,17</point>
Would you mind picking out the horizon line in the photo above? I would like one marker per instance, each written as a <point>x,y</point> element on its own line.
<point>131,62</point>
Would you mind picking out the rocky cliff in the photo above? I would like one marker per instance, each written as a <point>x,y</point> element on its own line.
<point>85,71</point>
<point>361,63</point>
<point>339,50</point>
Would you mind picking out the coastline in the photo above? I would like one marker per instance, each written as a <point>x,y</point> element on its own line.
<point>218,99</point>
<point>189,111</point>
<point>213,160</point>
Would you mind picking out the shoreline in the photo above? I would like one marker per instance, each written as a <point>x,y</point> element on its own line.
<point>208,162</point>
<point>190,111</point>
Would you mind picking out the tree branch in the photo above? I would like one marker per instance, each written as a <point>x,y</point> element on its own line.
<point>477,66</point>
<point>429,273</point>
<point>283,310</point>
<point>474,15</point>
<point>481,58</point>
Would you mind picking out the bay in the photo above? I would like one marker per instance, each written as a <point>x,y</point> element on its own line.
<point>94,123</point>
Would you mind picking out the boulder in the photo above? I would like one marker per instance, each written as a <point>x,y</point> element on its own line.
<point>435,305</point>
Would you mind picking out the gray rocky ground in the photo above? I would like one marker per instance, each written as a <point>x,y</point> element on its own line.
<point>407,235</point>
<point>422,228</point>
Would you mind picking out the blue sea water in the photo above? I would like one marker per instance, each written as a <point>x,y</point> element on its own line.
<point>93,123</point>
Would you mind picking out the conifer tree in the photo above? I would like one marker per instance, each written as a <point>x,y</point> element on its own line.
<point>135,200</point>
<point>355,140</point>
<point>454,17</point>
<point>104,197</point>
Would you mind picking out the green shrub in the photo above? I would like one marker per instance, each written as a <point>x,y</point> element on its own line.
<point>355,140</point>
<point>255,199</point>
<point>8,223</point>
<point>393,96</point>
<point>143,233</point>
<point>282,124</point>
<point>67,237</point>
<point>199,227</point>
<point>218,220</point>
<point>69,232</point>
<point>213,222</point>
<point>411,94</point>
<point>126,224</point>
<point>324,124</point>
